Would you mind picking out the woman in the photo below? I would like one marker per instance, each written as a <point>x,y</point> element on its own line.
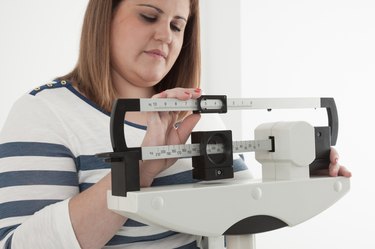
<point>52,187</point>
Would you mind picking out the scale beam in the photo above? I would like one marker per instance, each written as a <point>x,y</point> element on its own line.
<point>192,150</point>
<point>214,104</point>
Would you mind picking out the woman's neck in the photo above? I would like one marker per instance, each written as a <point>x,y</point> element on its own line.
<point>125,89</point>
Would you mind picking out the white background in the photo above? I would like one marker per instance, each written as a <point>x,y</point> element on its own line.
<point>268,48</point>
<point>322,48</point>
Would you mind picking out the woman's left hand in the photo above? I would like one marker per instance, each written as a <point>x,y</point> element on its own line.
<point>335,169</point>
<point>162,129</point>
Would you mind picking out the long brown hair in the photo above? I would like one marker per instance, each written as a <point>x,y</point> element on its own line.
<point>92,74</point>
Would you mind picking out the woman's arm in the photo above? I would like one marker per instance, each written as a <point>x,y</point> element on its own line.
<point>37,176</point>
<point>94,224</point>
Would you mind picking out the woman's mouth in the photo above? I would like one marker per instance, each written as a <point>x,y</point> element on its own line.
<point>156,53</point>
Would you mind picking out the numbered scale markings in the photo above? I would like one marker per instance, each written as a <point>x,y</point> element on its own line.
<point>212,103</point>
<point>191,150</point>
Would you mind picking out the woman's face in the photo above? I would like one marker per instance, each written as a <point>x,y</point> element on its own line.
<point>146,39</point>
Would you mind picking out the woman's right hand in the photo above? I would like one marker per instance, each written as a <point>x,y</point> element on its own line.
<point>162,130</point>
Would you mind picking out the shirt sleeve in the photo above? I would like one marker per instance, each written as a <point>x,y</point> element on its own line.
<point>51,228</point>
<point>38,175</point>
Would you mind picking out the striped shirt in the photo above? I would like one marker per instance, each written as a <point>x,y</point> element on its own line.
<point>47,155</point>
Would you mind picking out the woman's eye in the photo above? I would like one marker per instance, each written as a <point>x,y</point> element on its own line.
<point>148,18</point>
<point>176,28</point>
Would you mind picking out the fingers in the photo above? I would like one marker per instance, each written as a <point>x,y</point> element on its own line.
<point>176,93</point>
<point>334,156</point>
<point>343,171</point>
<point>171,117</point>
<point>186,127</point>
<point>162,125</point>
<point>180,93</point>
<point>335,169</point>
<point>338,170</point>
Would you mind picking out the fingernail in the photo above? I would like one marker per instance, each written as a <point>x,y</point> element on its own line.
<point>163,94</point>
<point>197,90</point>
<point>336,160</point>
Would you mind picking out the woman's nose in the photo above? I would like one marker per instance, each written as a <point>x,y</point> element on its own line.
<point>163,33</point>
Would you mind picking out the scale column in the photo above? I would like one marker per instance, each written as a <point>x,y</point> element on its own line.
<point>214,242</point>
<point>246,241</point>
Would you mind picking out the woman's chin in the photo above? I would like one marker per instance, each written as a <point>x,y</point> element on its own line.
<point>152,80</point>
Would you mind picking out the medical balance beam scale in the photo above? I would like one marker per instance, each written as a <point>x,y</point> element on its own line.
<point>219,205</point>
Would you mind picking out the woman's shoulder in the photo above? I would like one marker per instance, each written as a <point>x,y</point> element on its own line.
<point>52,85</point>
<point>52,91</point>
<point>43,100</point>
<point>50,95</point>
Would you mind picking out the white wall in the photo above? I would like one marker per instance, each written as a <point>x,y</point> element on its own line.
<point>221,54</point>
<point>39,40</point>
<point>289,48</point>
<point>318,48</point>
